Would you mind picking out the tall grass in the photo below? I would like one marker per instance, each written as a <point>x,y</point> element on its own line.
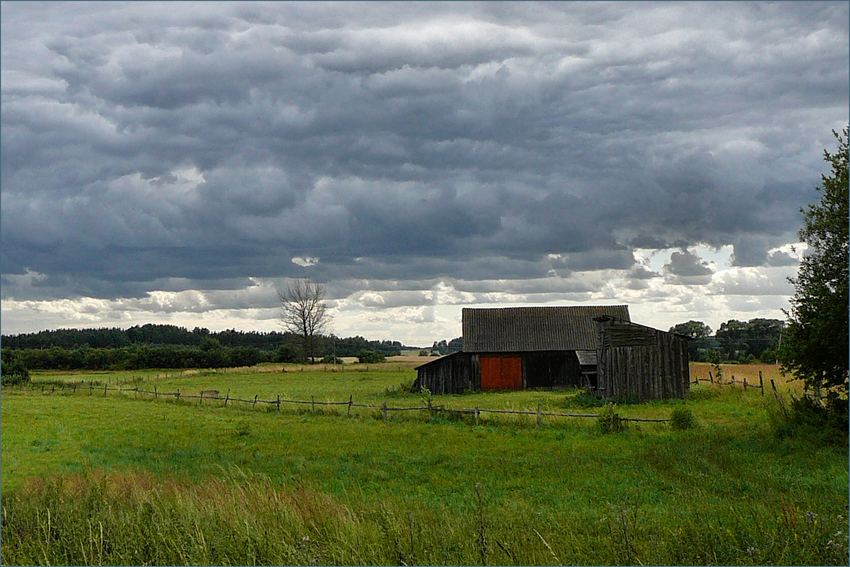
<point>245,519</point>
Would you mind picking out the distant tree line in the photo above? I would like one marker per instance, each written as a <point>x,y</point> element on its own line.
<point>449,347</point>
<point>170,346</point>
<point>756,340</point>
<point>135,357</point>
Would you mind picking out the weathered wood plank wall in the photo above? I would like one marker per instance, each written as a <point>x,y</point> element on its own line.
<point>640,362</point>
<point>452,374</point>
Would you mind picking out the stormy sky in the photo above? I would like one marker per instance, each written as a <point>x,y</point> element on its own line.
<point>176,163</point>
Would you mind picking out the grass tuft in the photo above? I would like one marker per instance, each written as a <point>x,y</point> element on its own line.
<point>682,418</point>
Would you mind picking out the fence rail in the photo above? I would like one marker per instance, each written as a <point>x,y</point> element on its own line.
<point>278,402</point>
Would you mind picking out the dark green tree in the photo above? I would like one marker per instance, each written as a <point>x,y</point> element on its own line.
<point>693,329</point>
<point>814,346</point>
<point>14,373</point>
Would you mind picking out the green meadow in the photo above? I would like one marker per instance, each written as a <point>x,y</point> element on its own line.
<point>94,479</point>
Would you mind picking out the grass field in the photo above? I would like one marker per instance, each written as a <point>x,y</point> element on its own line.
<point>116,480</point>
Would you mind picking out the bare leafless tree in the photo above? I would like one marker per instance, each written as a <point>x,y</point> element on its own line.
<point>303,312</point>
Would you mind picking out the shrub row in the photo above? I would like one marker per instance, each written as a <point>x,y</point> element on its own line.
<point>137,357</point>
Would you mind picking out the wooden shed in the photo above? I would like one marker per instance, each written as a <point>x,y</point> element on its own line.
<point>549,347</point>
<point>639,362</point>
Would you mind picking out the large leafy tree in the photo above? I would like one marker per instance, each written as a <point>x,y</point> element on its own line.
<point>815,342</point>
<point>693,329</point>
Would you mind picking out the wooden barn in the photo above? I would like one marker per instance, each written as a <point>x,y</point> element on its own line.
<point>595,347</point>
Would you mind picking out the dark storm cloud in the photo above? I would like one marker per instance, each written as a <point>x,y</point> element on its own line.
<point>686,263</point>
<point>687,268</point>
<point>150,147</point>
<point>780,258</point>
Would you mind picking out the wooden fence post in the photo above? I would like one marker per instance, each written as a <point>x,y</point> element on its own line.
<point>91,386</point>
<point>255,402</point>
<point>75,387</point>
<point>773,386</point>
<point>177,395</point>
<point>745,384</point>
<point>476,416</point>
<point>350,400</point>
<point>711,376</point>
<point>384,409</point>
<point>227,398</point>
<point>761,383</point>
<point>538,414</point>
<point>52,388</point>
<point>278,402</point>
<point>155,393</point>
<point>104,389</point>
<point>312,404</point>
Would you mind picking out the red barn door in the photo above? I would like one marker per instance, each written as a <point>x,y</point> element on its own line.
<point>501,372</point>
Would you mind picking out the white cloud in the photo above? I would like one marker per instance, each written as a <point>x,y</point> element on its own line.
<point>305,261</point>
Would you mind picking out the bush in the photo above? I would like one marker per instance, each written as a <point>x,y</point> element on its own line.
<point>401,390</point>
<point>285,353</point>
<point>609,420</point>
<point>331,359</point>
<point>585,399</point>
<point>824,422</point>
<point>370,357</point>
<point>15,373</point>
<point>682,418</point>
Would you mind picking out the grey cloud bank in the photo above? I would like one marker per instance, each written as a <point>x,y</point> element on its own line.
<point>522,149</point>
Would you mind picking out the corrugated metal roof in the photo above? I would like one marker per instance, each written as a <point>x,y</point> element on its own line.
<point>519,329</point>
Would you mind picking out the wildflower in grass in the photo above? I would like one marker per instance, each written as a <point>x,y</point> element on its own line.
<point>751,551</point>
<point>811,517</point>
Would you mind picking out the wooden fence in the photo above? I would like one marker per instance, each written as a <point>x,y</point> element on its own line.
<point>817,394</point>
<point>93,389</point>
<point>733,382</point>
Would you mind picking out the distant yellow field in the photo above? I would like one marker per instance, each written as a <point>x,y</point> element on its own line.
<point>750,372</point>
<point>410,358</point>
